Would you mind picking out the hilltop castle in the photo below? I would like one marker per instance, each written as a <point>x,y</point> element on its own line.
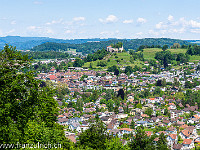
<point>115,48</point>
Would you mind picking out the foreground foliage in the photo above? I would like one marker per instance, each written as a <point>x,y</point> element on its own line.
<point>28,112</point>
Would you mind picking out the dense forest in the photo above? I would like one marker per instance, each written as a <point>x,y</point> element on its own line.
<point>91,47</point>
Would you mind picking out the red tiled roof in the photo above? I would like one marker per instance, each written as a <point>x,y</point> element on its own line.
<point>52,77</point>
<point>173,136</point>
<point>60,116</point>
<point>149,133</point>
<point>72,138</point>
<point>127,129</point>
<point>187,141</point>
<point>186,132</point>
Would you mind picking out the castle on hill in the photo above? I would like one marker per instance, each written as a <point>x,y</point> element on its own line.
<point>115,48</point>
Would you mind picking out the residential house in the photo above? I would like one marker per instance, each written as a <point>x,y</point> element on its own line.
<point>106,119</point>
<point>172,139</point>
<point>149,133</point>
<point>143,123</point>
<point>177,147</point>
<point>188,144</point>
<point>135,111</point>
<point>171,130</point>
<point>123,131</point>
<point>114,132</point>
<point>167,122</point>
<point>82,128</point>
<point>74,126</point>
<point>63,121</point>
<point>121,115</point>
<point>185,134</point>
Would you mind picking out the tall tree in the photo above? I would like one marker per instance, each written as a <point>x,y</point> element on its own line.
<point>95,137</point>
<point>149,111</point>
<point>132,126</point>
<point>165,47</point>
<point>162,142</point>
<point>141,140</point>
<point>26,108</point>
<point>128,70</point>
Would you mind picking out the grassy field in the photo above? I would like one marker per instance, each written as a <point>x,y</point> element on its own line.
<point>194,58</point>
<point>71,49</point>
<point>123,58</point>
<point>149,53</point>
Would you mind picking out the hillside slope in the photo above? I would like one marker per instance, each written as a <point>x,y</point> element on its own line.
<point>149,53</point>
<point>123,59</point>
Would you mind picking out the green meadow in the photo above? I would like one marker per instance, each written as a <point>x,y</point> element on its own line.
<point>123,59</point>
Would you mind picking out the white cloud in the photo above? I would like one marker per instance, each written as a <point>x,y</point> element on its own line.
<point>68,31</point>
<point>1,32</point>
<point>49,31</point>
<point>54,22</point>
<point>195,30</point>
<point>161,25</point>
<point>141,20</point>
<point>178,26</point>
<point>128,21</point>
<point>154,33</point>
<point>37,2</point>
<point>181,30</point>
<point>32,27</point>
<point>139,33</point>
<point>40,30</point>
<point>110,34</point>
<point>13,22</point>
<point>4,18</point>
<point>194,24</point>
<point>11,31</point>
<point>79,18</point>
<point>109,19</point>
<point>170,18</point>
<point>163,31</point>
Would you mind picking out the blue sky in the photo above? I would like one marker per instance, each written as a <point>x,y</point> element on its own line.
<point>70,19</point>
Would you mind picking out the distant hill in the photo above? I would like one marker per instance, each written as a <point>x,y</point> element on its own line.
<point>194,41</point>
<point>81,45</point>
<point>25,43</point>
<point>91,47</point>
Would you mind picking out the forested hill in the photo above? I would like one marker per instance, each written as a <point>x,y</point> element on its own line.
<point>81,45</point>
<point>25,43</point>
<point>91,47</point>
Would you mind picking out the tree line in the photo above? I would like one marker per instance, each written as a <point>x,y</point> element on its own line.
<point>166,57</point>
<point>91,47</point>
<point>98,55</point>
<point>193,50</point>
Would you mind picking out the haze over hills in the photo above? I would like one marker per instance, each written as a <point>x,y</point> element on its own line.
<point>25,43</point>
<point>82,45</point>
<point>91,47</point>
